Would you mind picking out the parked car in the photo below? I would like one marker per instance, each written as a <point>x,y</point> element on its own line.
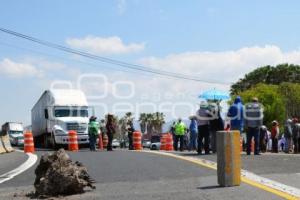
<point>155,142</point>
<point>146,143</point>
<point>115,143</point>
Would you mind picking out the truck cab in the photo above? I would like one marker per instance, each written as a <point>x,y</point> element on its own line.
<point>56,113</point>
<point>15,132</point>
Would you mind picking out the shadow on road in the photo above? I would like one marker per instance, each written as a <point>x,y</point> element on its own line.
<point>209,187</point>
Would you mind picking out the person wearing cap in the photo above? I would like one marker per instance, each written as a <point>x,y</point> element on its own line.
<point>110,130</point>
<point>253,121</point>
<point>203,118</point>
<point>180,129</point>
<point>275,136</point>
<point>93,130</point>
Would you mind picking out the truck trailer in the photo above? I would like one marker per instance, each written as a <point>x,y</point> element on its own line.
<point>56,113</point>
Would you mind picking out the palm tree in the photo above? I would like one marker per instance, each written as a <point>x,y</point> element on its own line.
<point>149,124</point>
<point>143,122</point>
<point>158,121</point>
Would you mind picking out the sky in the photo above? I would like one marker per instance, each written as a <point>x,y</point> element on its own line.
<point>218,41</point>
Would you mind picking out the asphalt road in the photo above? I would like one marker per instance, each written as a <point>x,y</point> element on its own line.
<point>135,175</point>
<point>284,168</point>
<point>11,161</point>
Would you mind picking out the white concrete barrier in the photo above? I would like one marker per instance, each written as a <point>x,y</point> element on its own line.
<point>229,158</point>
<point>6,144</point>
<point>2,149</point>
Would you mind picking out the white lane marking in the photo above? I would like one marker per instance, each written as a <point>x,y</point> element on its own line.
<point>32,158</point>
<point>272,184</point>
<point>249,175</point>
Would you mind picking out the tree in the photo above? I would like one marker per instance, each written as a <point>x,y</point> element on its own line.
<point>268,75</point>
<point>143,122</point>
<point>158,121</point>
<point>291,94</point>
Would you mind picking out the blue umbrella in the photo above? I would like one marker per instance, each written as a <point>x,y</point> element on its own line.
<point>214,95</point>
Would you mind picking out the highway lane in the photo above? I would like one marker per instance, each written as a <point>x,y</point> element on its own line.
<point>134,175</point>
<point>9,161</point>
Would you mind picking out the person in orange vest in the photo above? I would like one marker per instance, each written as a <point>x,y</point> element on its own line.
<point>274,136</point>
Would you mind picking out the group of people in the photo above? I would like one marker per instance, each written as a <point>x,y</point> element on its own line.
<point>94,130</point>
<point>108,128</point>
<point>288,141</point>
<point>201,133</point>
<point>208,120</point>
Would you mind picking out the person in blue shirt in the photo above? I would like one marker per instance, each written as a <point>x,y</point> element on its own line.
<point>193,133</point>
<point>236,115</point>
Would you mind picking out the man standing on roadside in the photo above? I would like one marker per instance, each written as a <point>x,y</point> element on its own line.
<point>93,132</point>
<point>193,133</point>
<point>110,130</point>
<point>236,115</point>
<point>180,129</point>
<point>203,117</point>
<point>253,121</point>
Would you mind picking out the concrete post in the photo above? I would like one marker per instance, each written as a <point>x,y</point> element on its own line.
<point>229,158</point>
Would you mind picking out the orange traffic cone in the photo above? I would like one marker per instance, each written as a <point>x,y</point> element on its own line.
<point>169,142</point>
<point>73,142</point>
<point>163,142</point>
<point>137,140</point>
<point>28,142</point>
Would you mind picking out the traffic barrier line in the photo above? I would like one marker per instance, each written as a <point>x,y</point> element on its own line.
<point>32,158</point>
<point>279,189</point>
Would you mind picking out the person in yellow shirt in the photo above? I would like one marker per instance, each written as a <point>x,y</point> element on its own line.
<point>180,129</point>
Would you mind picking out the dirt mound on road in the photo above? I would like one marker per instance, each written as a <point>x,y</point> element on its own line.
<point>56,175</point>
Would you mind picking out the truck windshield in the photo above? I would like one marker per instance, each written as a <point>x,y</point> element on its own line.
<point>70,113</point>
<point>15,132</point>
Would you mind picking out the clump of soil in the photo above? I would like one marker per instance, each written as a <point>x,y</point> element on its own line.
<point>57,175</point>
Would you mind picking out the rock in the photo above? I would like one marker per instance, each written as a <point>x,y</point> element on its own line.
<point>56,175</point>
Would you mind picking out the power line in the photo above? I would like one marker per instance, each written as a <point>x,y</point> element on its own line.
<point>108,60</point>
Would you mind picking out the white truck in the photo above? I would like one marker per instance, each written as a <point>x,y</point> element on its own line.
<point>15,132</point>
<point>56,113</point>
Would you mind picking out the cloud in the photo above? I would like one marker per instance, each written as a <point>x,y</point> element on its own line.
<point>122,6</point>
<point>101,45</point>
<point>225,66</point>
<point>18,70</point>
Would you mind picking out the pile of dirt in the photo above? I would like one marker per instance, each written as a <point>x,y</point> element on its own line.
<point>57,175</point>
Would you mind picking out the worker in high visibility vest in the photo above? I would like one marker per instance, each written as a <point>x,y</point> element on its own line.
<point>180,129</point>
<point>93,132</point>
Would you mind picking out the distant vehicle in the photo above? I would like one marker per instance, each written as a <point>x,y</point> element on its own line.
<point>146,143</point>
<point>115,143</point>
<point>155,142</point>
<point>15,132</point>
<point>56,113</point>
